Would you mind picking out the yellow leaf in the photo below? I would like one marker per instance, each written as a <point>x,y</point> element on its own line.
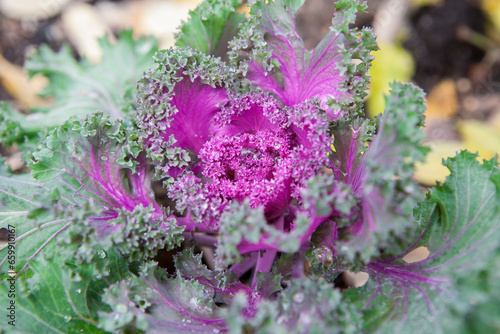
<point>421,3</point>
<point>392,63</point>
<point>492,9</point>
<point>432,169</point>
<point>442,101</point>
<point>480,137</point>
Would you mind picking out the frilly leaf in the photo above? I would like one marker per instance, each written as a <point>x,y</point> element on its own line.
<point>382,177</point>
<point>458,227</point>
<point>110,188</point>
<point>157,304</point>
<point>178,99</point>
<point>210,27</point>
<point>306,306</point>
<point>271,55</point>
<point>80,88</point>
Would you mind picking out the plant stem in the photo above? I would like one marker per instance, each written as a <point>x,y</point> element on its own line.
<point>201,239</point>
<point>265,261</point>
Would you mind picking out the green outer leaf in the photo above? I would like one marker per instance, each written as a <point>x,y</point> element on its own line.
<point>306,306</point>
<point>462,234</point>
<point>30,209</point>
<point>468,209</point>
<point>174,305</point>
<point>10,130</point>
<point>80,88</point>
<point>60,300</point>
<point>478,310</point>
<point>210,27</point>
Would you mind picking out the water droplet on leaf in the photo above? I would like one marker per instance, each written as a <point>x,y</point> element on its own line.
<point>101,254</point>
<point>298,297</point>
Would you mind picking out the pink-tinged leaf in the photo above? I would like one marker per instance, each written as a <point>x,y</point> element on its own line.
<point>300,74</point>
<point>187,303</point>
<point>114,205</point>
<point>158,304</point>
<point>84,155</point>
<point>279,62</point>
<point>249,113</point>
<point>381,174</point>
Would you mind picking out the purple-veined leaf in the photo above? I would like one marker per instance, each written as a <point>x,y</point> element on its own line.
<point>158,304</point>
<point>109,181</point>
<point>33,221</point>
<point>278,61</point>
<point>379,171</point>
<point>308,305</point>
<point>91,157</point>
<point>458,225</point>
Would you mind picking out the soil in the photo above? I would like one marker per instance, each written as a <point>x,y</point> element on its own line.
<point>433,40</point>
<point>435,45</point>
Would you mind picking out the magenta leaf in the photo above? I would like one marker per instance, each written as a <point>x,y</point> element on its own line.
<point>178,100</point>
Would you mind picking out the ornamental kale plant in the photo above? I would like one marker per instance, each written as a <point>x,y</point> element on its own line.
<point>273,183</point>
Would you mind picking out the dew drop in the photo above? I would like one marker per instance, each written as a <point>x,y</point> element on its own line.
<point>78,291</point>
<point>216,330</point>
<point>298,297</point>
<point>67,318</point>
<point>101,254</point>
<point>121,308</point>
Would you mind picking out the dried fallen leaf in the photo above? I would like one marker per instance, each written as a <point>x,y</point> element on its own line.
<point>15,161</point>
<point>416,255</point>
<point>23,89</point>
<point>494,121</point>
<point>492,9</point>
<point>84,26</point>
<point>161,19</point>
<point>355,280</point>
<point>442,101</point>
<point>34,10</point>
<point>422,3</point>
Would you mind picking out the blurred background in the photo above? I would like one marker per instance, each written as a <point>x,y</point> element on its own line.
<point>450,48</point>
